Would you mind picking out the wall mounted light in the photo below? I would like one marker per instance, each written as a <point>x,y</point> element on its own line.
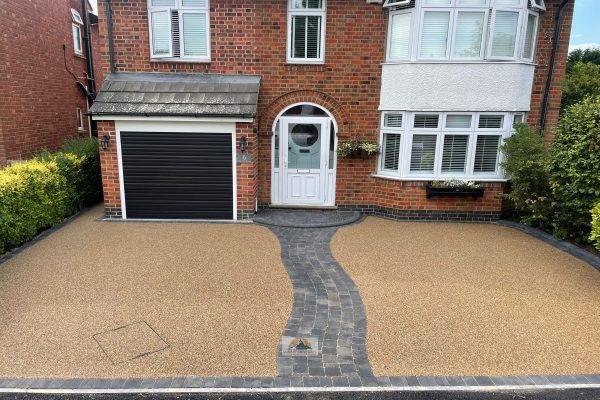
<point>243,144</point>
<point>104,142</point>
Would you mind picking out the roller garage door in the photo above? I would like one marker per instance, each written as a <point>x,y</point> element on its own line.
<point>177,175</point>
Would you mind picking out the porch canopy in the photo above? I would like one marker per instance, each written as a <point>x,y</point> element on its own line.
<point>178,94</point>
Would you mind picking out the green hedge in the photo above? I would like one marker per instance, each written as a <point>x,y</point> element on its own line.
<point>595,236</point>
<point>41,192</point>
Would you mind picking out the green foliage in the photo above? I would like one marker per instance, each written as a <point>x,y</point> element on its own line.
<point>581,82</point>
<point>39,193</point>
<point>355,145</point>
<point>575,169</point>
<point>595,235</point>
<point>586,56</point>
<point>526,165</point>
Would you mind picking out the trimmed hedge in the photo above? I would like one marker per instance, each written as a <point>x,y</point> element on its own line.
<point>595,236</point>
<point>39,193</point>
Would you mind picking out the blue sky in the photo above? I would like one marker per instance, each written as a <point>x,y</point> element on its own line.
<point>586,32</point>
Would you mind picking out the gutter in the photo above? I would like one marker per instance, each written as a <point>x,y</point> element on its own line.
<point>555,42</point>
<point>129,114</point>
<point>109,27</point>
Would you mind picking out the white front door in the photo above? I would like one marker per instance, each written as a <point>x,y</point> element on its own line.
<point>305,154</point>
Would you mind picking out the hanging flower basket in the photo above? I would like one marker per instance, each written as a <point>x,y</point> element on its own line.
<point>358,148</point>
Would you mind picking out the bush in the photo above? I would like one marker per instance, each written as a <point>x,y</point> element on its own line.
<point>39,193</point>
<point>582,81</point>
<point>526,161</point>
<point>575,170</point>
<point>595,235</point>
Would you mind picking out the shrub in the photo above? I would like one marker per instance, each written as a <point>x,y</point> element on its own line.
<point>575,169</point>
<point>526,162</point>
<point>582,81</point>
<point>39,193</point>
<point>595,235</point>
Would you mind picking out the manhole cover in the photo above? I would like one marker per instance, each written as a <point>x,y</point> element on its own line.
<point>130,342</point>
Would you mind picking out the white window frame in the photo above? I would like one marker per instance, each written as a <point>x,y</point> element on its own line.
<point>292,12</point>
<point>490,9</point>
<point>535,36</point>
<point>80,123</point>
<point>518,41</point>
<point>181,9</point>
<point>538,5</point>
<point>76,17</point>
<point>75,26</point>
<point>394,3</point>
<point>407,131</point>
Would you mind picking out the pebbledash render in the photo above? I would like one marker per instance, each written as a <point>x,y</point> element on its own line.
<point>213,109</point>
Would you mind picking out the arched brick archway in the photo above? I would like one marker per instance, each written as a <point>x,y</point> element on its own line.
<point>306,96</point>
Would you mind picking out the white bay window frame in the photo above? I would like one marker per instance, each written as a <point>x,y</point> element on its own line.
<point>488,8</point>
<point>179,7</point>
<point>407,132</point>
<point>294,11</point>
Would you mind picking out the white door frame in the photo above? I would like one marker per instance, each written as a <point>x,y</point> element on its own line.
<point>166,126</point>
<point>277,170</point>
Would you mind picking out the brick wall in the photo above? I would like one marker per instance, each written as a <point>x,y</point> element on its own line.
<point>249,37</point>
<point>39,97</point>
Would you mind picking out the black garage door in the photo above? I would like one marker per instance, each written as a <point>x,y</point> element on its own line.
<point>177,175</point>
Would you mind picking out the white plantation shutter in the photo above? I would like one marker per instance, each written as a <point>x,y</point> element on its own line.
<point>504,34</point>
<point>454,156</point>
<point>486,154</point>
<point>391,152</point>
<point>472,3</point>
<point>422,156</point>
<point>507,3</point>
<point>400,36</point>
<point>195,34</point>
<point>161,33</point>
<point>458,121</point>
<point>306,34</point>
<point>437,2</point>
<point>164,3</point>
<point>392,120</point>
<point>529,44</point>
<point>491,122</point>
<point>434,36</point>
<point>194,3</point>
<point>426,121</point>
<point>468,34</point>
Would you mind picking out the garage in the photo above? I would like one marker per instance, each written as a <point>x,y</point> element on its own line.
<point>177,175</point>
<point>171,142</point>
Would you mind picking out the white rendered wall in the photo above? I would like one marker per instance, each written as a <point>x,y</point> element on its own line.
<point>456,87</point>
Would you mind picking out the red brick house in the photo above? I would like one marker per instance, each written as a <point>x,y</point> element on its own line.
<point>42,57</point>
<point>215,108</point>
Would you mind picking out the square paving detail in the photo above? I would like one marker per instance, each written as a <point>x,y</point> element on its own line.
<point>471,299</point>
<point>189,299</point>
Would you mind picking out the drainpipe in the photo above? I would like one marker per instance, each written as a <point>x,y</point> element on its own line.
<point>109,26</point>
<point>89,65</point>
<point>555,42</point>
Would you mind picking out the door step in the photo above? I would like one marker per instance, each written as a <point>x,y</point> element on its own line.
<point>307,207</point>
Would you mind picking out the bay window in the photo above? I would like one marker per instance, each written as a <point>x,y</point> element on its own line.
<point>306,31</point>
<point>179,29</point>
<point>444,145</point>
<point>463,30</point>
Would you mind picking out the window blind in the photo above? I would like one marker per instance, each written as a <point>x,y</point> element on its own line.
<point>491,122</point>
<point>486,154</point>
<point>529,37</point>
<point>164,3</point>
<point>454,156</point>
<point>468,34</point>
<point>392,120</point>
<point>175,36</point>
<point>509,3</point>
<point>194,3</point>
<point>161,33</point>
<point>437,2</point>
<point>422,156</point>
<point>195,41</point>
<point>472,3</point>
<point>434,37</point>
<point>458,121</point>
<point>306,32</point>
<point>391,151</point>
<point>426,121</point>
<point>504,34</point>
<point>400,36</point>
<point>307,4</point>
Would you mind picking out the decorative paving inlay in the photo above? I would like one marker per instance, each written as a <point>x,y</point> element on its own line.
<point>306,219</point>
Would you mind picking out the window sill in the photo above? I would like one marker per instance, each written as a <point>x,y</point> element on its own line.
<point>421,179</point>
<point>79,55</point>
<point>305,62</point>
<point>181,60</point>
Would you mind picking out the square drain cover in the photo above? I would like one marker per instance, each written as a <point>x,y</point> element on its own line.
<point>130,342</point>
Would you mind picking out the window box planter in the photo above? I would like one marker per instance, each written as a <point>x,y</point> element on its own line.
<point>453,192</point>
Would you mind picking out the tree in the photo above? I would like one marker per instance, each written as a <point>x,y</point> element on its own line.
<point>586,56</point>
<point>582,81</point>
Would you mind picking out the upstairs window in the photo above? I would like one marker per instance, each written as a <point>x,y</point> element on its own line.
<point>306,31</point>
<point>179,29</point>
<point>463,30</point>
<point>76,24</point>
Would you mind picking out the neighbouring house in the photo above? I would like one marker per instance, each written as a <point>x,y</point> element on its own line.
<point>44,79</point>
<point>216,108</point>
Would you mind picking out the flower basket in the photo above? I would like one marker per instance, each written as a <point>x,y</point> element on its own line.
<point>454,189</point>
<point>358,148</point>
<point>360,153</point>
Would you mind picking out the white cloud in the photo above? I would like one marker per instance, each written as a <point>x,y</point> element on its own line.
<point>584,46</point>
